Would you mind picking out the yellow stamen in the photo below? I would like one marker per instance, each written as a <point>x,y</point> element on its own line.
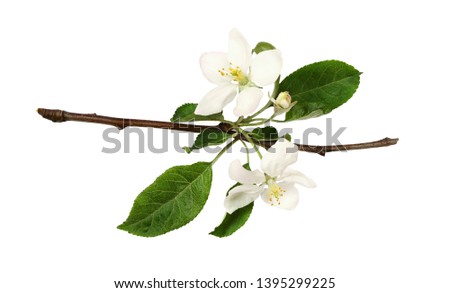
<point>235,73</point>
<point>275,192</point>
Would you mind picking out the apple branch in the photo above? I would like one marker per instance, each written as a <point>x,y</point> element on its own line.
<point>121,123</point>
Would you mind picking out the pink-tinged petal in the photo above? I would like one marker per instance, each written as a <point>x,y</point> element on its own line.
<point>266,67</point>
<point>240,196</point>
<point>247,101</point>
<point>287,201</point>
<point>244,176</point>
<point>212,64</point>
<point>278,157</point>
<point>215,100</point>
<point>239,51</point>
<point>291,175</point>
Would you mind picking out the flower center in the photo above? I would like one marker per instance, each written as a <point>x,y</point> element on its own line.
<point>235,73</point>
<point>274,193</point>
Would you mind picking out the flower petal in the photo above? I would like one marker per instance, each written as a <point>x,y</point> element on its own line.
<point>247,101</point>
<point>240,196</point>
<point>266,67</point>
<point>216,99</point>
<point>239,51</point>
<point>244,176</point>
<point>282,154</point>
<point>291,175</point>
<point>288,201</point>
<point>211,63</point>
<point>290,198</point>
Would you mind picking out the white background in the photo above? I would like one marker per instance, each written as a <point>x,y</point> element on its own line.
<point>377,222</point>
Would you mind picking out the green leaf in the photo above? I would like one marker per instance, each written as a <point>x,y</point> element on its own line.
<point>267,133</point>
<point>208,137</point>
<point>263,46</point>
<point>233,222</point>
<point>185,113</point>
<point>173,200</point>
<point>319,88</point>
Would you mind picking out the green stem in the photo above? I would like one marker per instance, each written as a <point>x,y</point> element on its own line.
<point>261,121</point>
<point>250,118</point>
<point>270,118</point>
<point>247,151</point>
<point>223,151</point>
<point>276,88</point>
<point>254,124</point>
<point>250,140</point>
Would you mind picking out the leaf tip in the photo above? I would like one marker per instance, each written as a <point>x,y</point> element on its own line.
<point>188,150</point>
<point>215,234</point>
<point>122,227</point>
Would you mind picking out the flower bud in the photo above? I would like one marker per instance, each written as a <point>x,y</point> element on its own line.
<point>283,100</point>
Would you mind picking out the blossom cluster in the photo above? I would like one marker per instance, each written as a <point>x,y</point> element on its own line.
<point>240,74</point>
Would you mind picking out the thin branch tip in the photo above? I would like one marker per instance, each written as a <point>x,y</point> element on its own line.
<point>51,114</point>
<point>392,140</point>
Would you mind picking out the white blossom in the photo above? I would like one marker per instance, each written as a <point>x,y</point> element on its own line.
<point>237,73</point>
<point>275,184</point>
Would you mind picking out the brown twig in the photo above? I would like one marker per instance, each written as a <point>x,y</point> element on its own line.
<point>121,123</point>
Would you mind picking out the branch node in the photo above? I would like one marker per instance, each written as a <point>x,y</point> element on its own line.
<point>225,127</point>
